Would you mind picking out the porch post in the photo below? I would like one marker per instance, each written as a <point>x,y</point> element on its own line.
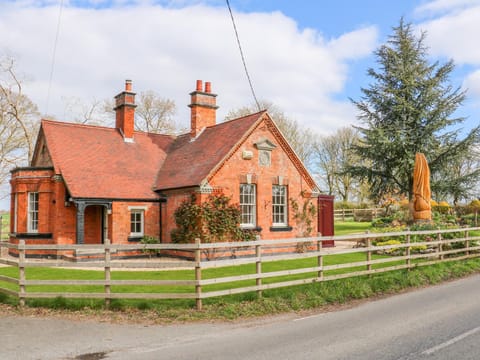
<point>80,227</point>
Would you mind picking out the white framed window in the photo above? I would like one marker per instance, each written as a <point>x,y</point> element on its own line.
<point>32,216</point>
<point>137,222</point>
<point>279,205</point>
<point>248,205</point>
<point>15,213</point>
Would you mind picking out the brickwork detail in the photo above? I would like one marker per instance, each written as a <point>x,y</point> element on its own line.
<point>92,213</point>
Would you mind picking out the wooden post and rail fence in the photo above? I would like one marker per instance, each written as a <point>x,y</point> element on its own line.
<point>438,246</point>
<point>358,214</point>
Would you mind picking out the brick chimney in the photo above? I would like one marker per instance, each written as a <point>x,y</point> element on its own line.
<point>125,112</point>
<point>203,108</point>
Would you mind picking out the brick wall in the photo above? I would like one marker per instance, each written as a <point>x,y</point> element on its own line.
<point>174,199</point>
<point>23,182</point>
<point>119,220</point>
<point>234,172</point>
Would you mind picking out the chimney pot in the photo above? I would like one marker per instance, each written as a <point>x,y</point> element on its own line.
<point>125,112</point>
<point>208,87</point>
<point>128,85</point>
<point>203,108</point>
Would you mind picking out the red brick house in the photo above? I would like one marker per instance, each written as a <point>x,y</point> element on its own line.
<point>89,183</point>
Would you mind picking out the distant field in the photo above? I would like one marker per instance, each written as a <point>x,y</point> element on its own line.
<point>5,226</point>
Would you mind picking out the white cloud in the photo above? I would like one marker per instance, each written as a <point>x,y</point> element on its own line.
<point>167,48</point>
<point>451,35</point>
<point>472,83</point>
<point>439,6</point>
<point>355,44</point>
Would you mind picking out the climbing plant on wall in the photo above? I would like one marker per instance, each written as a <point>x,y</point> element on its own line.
<point>215,220</point>
<point>304,215</point>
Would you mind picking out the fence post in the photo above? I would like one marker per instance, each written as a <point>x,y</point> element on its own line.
<point>343,214</point>
<point>198,275</point>
<point>21,271</point>
<point>467,243</point>
<point>440,246</point>
<point>320,258</point>
<point>407,240</point>
<point>369,252</point>
<point>258,268</point>
<point>107,273</point>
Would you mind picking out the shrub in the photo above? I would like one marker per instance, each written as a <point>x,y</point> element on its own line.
<point>475,203</point>
<point>150,240</point>
<point>349,205</point>
<point>383,221</point>
<point>214,220</point>
<point>395,251</point>
<point>442,207</point>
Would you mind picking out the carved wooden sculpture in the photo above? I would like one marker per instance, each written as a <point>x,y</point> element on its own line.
<point>422,209</point>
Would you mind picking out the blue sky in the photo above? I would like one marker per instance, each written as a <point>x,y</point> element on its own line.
<point>307,57</point>
<point>320,50</point>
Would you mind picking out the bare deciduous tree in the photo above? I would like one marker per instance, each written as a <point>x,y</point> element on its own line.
<point>153,113</point>
<point>18,120</point>
<point>301,139</point>
<point>333,155</point>
<point>92,112</point>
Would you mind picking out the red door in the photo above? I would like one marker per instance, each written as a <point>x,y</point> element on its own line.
<point>325,218</point>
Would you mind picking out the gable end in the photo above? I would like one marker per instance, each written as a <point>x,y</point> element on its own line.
<point>41,155</point>
<point>291,153</point>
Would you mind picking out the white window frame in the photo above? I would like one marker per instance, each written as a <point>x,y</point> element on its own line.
<point>279,206</point>
<point>248,205</point>
<point>15,213</point>
<point>32,212</point>
<point>141,221</point>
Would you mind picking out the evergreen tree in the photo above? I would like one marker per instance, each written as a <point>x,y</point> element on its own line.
<point>409,108</point>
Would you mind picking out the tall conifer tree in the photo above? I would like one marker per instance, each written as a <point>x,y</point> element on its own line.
<point>408,108</point>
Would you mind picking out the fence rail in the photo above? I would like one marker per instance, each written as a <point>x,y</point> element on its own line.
<point>358,214</point>
<point>436,245</point>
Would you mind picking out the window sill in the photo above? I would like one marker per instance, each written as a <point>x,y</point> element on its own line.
<point>135,238</point>
<point>280,228</point>
<point>254,228</point>
<point>32,235</point>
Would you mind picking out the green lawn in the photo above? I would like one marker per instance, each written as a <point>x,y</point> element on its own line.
<point>351,227</point>
<point>73,274</point>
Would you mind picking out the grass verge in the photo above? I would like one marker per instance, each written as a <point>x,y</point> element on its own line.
<point>277,301</point>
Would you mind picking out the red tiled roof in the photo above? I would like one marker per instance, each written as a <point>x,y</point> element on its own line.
<point>189,162</point>
<point>95,162</point>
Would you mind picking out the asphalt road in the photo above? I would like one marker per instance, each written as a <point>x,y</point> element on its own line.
<point>441,322</point>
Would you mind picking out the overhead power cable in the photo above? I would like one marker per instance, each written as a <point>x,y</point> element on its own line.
<point>243,57</point>
<point>52,68</point>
